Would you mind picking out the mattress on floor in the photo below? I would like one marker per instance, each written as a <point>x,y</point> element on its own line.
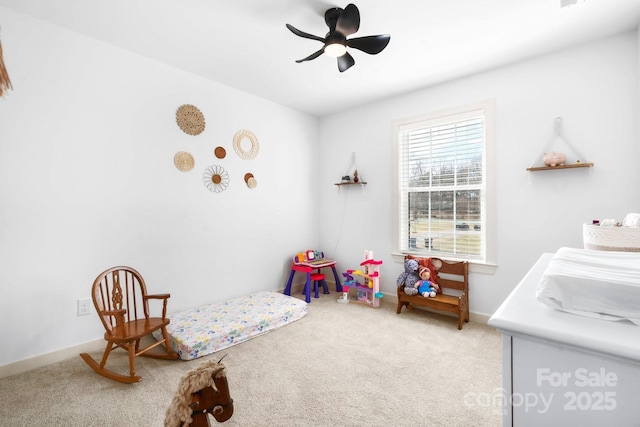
<point>213,327</point>
<point>599,284</point>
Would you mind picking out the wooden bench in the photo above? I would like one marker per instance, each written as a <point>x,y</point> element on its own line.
<point>451,276</point>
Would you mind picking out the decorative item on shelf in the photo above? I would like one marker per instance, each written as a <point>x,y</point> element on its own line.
<point>5,82</point>
<point>552,158</point>
<point>216,178</point>
<point>220,152</point>
<point>237,144</point>
<point>190,119</point>
<point>346,178</point>
<point>184,161</point>
<point>250,180</point>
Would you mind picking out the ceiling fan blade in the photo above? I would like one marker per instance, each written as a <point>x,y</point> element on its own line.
<point>349,20</point>
<point>370,44</point>
<point>331,17</point>
<point>345,62</point>
<point>312,56</point>
<point>297,32</point>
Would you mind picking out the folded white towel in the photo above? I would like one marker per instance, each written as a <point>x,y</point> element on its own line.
<point>593,283</point>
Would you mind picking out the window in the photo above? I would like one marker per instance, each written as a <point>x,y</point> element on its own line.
<point>443,181</point>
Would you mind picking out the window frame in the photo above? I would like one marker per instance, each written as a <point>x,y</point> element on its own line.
<point>489,214</point>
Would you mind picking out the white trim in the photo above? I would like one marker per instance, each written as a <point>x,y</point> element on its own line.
<point>53,357</point>
<point>490,221</point>
<point>474,267</point>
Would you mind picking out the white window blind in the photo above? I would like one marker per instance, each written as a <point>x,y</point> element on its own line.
<point>442,185</point>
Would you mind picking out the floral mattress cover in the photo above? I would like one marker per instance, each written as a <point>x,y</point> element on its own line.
<point>213,327</point>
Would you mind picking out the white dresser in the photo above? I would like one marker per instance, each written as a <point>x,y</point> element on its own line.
<point>562,369</point>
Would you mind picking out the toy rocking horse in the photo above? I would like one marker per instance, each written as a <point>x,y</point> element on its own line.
<point>202,391</point>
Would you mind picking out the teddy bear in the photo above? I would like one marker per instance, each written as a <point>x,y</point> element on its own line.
<point>426,287</point>
<point>409,277</point>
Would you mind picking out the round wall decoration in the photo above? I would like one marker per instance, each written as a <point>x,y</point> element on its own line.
<point>220,152</point>
<point>216,179</point>
<point>183,161</point>
<point>237,144</point>
<point>250,180</point>
<point>190,119</point>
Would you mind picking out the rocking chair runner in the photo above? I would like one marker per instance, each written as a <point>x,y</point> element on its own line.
<point>120,298</point>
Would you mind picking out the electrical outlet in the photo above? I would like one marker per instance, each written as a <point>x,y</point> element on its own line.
<point>84,305</point>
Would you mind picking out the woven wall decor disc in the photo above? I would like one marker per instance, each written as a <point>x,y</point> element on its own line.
<point>220,152</point>
<point>237,144</point>
<point>190,119</point>
<point>216,178</point>
<point>183,161</point>
<point>250,180</point>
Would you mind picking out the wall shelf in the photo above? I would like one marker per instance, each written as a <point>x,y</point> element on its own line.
<point>350,183</point>
<point>565,145</point>
<point>548,168</point>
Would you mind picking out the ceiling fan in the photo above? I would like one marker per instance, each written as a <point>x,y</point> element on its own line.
<point>343,23</point>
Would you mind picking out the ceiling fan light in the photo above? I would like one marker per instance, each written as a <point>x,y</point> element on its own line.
<point>335,49</point>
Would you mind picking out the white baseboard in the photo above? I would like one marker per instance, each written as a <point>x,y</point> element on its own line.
<point>48,358</point>
<point>479,317</point>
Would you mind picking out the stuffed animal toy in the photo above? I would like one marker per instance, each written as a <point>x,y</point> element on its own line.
<point>410,277</point>
<point>425,286</point>
<point>554,159</point>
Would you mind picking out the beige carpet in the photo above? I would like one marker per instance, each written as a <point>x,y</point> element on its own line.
<point>341,365</point>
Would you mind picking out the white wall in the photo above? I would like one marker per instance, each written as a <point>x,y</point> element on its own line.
<point>87,181</point>
<point>87,140</point>
<point>593,87</point>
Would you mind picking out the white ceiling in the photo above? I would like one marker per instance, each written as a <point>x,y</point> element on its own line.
<point>245,44</point>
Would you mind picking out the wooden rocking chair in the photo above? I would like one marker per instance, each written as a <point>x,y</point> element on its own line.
<point>121,300</point>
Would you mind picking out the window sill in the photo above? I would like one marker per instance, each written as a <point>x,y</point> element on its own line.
<point>474,266</point>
